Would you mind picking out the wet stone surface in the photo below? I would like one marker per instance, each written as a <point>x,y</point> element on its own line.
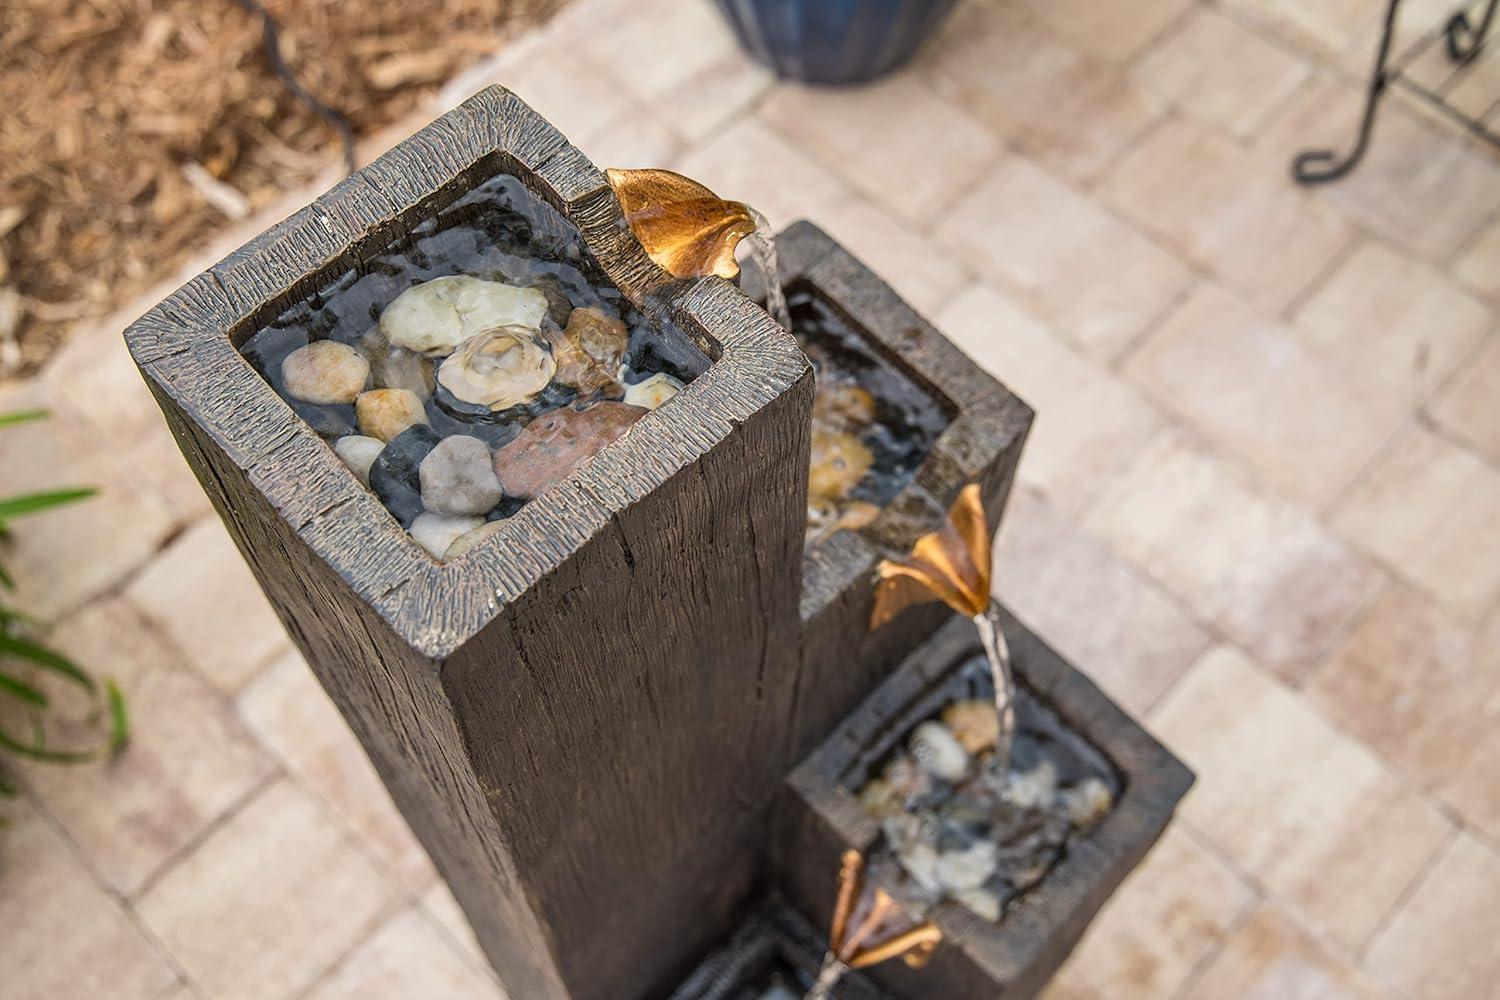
<point>873,425</point>
<point>954,829</point>
<point>427,367</point>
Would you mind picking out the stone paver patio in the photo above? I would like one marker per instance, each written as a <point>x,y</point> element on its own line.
<point>1261,507</point>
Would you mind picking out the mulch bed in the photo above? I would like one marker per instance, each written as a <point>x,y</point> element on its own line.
<point>132,129</point>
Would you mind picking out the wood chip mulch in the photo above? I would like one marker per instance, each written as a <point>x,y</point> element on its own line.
<point>132,129</point>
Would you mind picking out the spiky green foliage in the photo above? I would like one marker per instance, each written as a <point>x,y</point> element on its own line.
<point>29,668</point>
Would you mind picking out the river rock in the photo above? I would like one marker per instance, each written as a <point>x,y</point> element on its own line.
<point>386,413</point>
<point>469,539</point>
<point>843,405</point>
<point>556,443</point>
<point>1087,802</point>
<point>938,752</point>
<point>653,391</point>
<point>968,868</point>
<point>499,368</point>
<point>395,475</point>
<point>458,477</point>
<point>359,453</point>
<point>436,316</point>
<point>975,723</point>
<point>591,350</point>
<point>839,461</point>
<point>396,367</point>
<point>921,862</point>
<point>1034,789</point>
<point>982,903</point>
<point>437,532</point>
<point>324,372</point>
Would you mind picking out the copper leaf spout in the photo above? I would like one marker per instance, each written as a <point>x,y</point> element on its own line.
<point>687,229</point>
<point>951,565</point>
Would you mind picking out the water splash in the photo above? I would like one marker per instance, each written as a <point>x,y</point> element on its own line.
<point>761,248</point>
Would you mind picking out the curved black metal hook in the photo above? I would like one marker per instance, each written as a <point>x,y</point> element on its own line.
<point>1319,166</point>
<point>1464,40</point>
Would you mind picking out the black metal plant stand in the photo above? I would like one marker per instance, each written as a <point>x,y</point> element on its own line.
<point>1463,39</point>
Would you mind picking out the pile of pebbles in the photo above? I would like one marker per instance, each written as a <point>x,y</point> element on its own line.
<point>954,829</point>
<point>872,424</point>
<point>486,354</point>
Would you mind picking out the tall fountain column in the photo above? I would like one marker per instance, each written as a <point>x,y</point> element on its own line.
<point>577,716</point>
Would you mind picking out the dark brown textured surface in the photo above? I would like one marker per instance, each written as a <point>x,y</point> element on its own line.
<point>818,817</point>
<point>842,660</point>
<point>573,715</point>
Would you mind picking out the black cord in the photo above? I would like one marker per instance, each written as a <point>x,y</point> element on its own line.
<point>271,33</point>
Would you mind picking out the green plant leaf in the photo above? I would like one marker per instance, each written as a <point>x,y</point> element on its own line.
<point>10,616</point>
<point>119,716</point>
<point>7,791</point>
<point>36,751</point>
<point>22,690</point>
<point>45,658</point>
<point>5,579</point>
<point>31,503</point>
<point>23,416</point>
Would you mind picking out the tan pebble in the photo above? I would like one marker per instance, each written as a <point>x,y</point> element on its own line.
<point>652,392</point>
<point>839,461</point>
<point>325,372</point>
<point>499,368</point>
<point>470,539</point>
<point>975,723</point>
<point>385,413</point>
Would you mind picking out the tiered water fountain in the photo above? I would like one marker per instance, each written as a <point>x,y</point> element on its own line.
<point>588,558</point>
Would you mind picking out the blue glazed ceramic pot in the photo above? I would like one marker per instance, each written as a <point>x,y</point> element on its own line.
<point>833,41</point>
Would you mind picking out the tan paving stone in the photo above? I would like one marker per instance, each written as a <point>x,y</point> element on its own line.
<point>94,377</point>
<point>1172,912</point>
<point>1441,945</point>
<point>1068,110</point>
<point>64,936</point>
<point>1270,958</point>
<point>407,957</point>
<point>1260,569</point>
<point>680,61</point>
<point>1431,510</point>
<point>638,141</point>
<point>1310,812</point>
<point>1469,407</point>
<point>1421,185</point>
<point>1250,386</point>
<point>189,758</point>
<point>1097,279</point>
<point>1329,28</point>
<point>62,558</point>
<point>440,903</point>
<point>1479,264</point>
<point>895,140</point>
<point>1425,692</point>
<point>1392,323</point>
<point>1229,211</point>
<point>921,273</point>
<point>1108,30</point>
<point>1217,71</point>
<point>201,594</point>
<point>1097,610</point>
<point>268,902</point>
<point>751,162</point>
<point>582,102</point>
<point>295,718</point>
<point>1094,423</point>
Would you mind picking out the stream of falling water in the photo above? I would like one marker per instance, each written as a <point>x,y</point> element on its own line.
<point>761,246</point>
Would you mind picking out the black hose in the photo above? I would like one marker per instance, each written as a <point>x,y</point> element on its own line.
<point>271,34</point>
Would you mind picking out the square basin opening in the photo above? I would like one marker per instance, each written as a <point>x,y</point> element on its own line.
<point>874,421</point>
<point>473,362</point>
<point>946,836</point>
